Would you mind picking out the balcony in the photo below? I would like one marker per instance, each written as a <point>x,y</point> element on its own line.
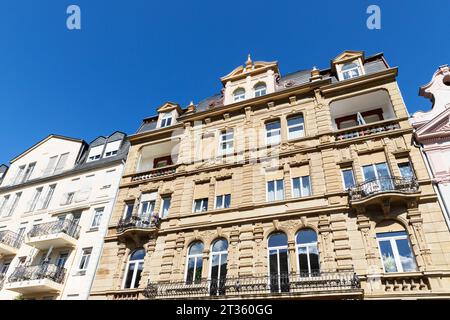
<point>56,234</point>
<point>153,173</point>
<point>367,130</point>
<point>324,284</point>
<point>142,224</point>
<point>9,242</point>
<point>384,187</point>
<point>45,278</point>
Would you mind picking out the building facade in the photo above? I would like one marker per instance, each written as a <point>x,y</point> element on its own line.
<point>55,202</point>
<point>432,134</point>
<point>302,185</point>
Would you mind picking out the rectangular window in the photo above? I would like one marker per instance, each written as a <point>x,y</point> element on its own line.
<point>61,163</point>
<point>68,198</point>
<point>48,196</point>
<point>275,190</point>
<point>201,205</point>
<point>95,153</point>
<point>223,201</point>
<point>301,187</point>
<point>3,204</point>
<point>97,217</point>
<point>348,179</point>
<point>19,175</point>
<point>50,166</point>
<point>4,268</point>
<point>406,170</point>
<point>61,261</point>
<point>112,148</point>
<point>37,195</point>
<point>396,252</point>
<point>226,142</point>
<point>14,204</point>
<point>165,206</point>
<point>147,207</point>
<point>84,261</point>
<point>166,120</point>
<point>273,132</point>
<point>28,172</point>
<point>128,211</point>
<point>296,127</point>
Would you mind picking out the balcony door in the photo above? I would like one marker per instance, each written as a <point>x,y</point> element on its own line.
<point>278,263</point>
<point>218,271</point>
<point>378,177</point>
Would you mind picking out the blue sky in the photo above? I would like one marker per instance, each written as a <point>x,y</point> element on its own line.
<point>131,56</point>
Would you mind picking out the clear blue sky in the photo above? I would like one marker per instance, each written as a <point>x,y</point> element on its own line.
<point>131,56</point>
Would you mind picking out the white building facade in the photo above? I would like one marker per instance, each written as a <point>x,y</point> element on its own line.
<point>56,199</point>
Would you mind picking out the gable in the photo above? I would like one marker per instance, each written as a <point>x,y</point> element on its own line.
<point>438,125</point>
<point>169,106</point>
<point>348,55</point>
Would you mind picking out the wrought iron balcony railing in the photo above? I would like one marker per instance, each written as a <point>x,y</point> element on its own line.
<point>146,221</point>
<point>290,284</point>
<point>11,239</point>
<point>38,272</point>
<point>384,184</point>
<point>69,227</point>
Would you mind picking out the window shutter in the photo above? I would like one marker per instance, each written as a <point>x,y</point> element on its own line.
<point>201,191</point>
<point>149,196</point>
<point>112,146</point>
<point>372,158</point>
<point>274,175</point>
<point>223,187</point>
<point>300,171</point>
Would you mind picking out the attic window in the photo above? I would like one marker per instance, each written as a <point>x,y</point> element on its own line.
<point>95,153</point>
<point>239,94</point>
<point>260,89</point>
<point>166,120</point>
<point>350,70</point>
<point>112,148</point>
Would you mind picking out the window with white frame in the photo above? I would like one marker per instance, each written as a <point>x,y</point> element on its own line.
<point>134,269</point>
<point>50,165</point>
<point>350,70</point>
<point>239,95</point>
<point>278,262</point>
<point>147,208</point>
<point>14,204</point>
<point>296,127</point>
<point>48,196</point>
<point>61,163</point>
<point>84,260</point>
<point>260,89</point>
<point>301,186</point>
<point>165,206</point>
<point>194,265</point>
<point>68,198</point>
<point>128,210</point>
<point>307,252</point>
<point>166,119</point>
<point>275,190</point>
<point>19,174</point>
<point>396,253</point>
<point>218,266</point>
<point>223,201</point>
<point>378,174</point>
<point>406,170</point>
<point>36,196</point>
<point>226,142</point>
<point>98,213</point>
<point>95,153</point>
<point>348,179</point>
<point>28,172</point>
<point>273,132</point>
<point>201,205</point>
<point>112,148</point>
<point>3,204</point>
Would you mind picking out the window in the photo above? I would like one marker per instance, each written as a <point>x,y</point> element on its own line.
<point>21,231</point>
<point>260,90</point>
<point>4,268</point>
<point>162,162</point>
<point>3,204</point>
<point>50,166</point>
<point>275,190</point>
<point>226,142</point>
<point>147,208</point>
<point>359,118</point>
<point>48,196</point>
<point>95,153</point>
<point>307,252</point>
<point>28,172</point>
<point>348,179</point>
<point>406,170</point>
<point>201,205</point>
<point>296,127</point>
<point>14,204</point>
<point>301,187</point>
<point>98,213</point>
<point>134,269</point>
<point>166,119</point>
<point>395,252</point>
<point>128,211</point>
<point>194,263</point>
<point>218,271</point>
<point>350,70</point>
<point>278,262</point>
<point>239,95</point>
<point>223,201</point>
<point>165,206</point>
<point>68,198</point>
<point>61,163</point>
<point>19,174</point>
<point>112,148</point>
<point>35,199</point>
<point>85,257</point>
<point>61,261</point>
<point>379,174</point>
<point>273,132</point>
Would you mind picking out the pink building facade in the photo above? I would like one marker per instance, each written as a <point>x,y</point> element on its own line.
<point>432,134</point>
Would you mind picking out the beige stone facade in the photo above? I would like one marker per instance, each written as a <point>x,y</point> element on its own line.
<point>349,224</point>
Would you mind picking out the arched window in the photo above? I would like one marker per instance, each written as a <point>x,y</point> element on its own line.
<point>296,126</point>
<point>278,262</point>
<point>395,249</point>
<point>218,271</point>
<point>350,70</point>
<point>134,269</point>
<point>260,89</point>
<point>194,263</point>
<point>239,94</point>
<point>307,252</point>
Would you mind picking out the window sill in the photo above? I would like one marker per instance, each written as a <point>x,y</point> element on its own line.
<point>94,229</point>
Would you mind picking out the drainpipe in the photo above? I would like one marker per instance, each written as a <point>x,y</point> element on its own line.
<point>435,187</point>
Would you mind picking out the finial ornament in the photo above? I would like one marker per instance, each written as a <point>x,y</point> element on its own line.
<point>249,61</point>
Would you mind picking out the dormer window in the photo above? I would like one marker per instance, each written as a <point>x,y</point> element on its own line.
<point>112,148</point>
<point>260,89</point>
<point>166,120</point>
<point>350,70</point>
<point>95,153</point>
<point>239,94</point>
